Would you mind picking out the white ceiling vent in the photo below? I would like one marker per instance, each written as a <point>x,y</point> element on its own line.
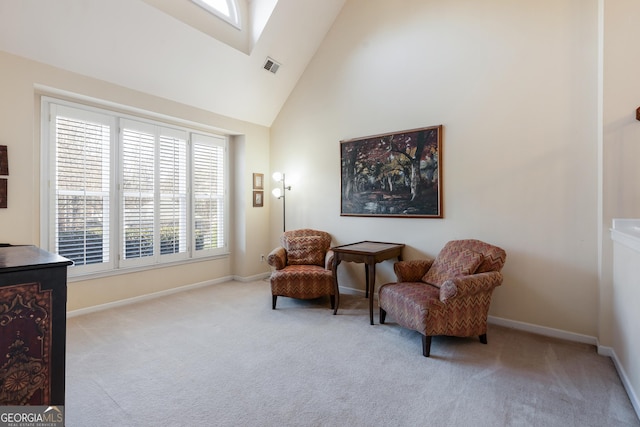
<point>271,65</point>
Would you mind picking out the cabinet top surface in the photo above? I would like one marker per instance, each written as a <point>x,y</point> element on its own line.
<point>626,232</point>
<point>26,257</point>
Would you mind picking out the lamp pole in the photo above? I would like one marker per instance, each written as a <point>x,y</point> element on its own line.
<point>280,195</point>
<point>284,206</point>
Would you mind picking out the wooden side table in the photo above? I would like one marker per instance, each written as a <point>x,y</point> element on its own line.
<point>369,253</point>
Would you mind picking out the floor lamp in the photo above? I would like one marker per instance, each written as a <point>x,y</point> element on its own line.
<point>279,193</point>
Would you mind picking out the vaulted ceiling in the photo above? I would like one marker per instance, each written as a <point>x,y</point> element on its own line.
<point>146,46</point>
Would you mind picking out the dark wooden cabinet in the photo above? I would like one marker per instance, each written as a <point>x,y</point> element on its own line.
<point>33,309</point>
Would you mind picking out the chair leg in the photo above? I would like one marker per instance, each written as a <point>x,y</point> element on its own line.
<point>383,315</point>
<point>332,298</point>
<point>273,302</point>
<point>426,346</point>
<point>483,338</point>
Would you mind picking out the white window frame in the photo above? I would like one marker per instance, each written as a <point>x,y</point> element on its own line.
<point>116,260</point>
<point>232,18</point>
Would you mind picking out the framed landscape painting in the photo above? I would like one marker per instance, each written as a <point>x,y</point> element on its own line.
<point>395,174</point>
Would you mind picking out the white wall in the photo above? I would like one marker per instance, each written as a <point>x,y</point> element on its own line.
<point>515,86</point>
<point>20,222</point>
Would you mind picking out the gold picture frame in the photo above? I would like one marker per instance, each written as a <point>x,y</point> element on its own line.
<point>258,181</point>
<point>258,199</point>
<point>396,174</point>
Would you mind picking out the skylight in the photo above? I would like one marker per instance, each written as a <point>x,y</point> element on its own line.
<point>225,9</point>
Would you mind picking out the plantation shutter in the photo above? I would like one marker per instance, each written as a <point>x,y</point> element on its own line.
<point>154,190</point>
<point>138,189</point>
<point>173,192</point>
<point>208,193</point>
<point>81,182</point>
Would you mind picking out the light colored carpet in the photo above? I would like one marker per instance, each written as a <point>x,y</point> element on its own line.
<point>219,356</point>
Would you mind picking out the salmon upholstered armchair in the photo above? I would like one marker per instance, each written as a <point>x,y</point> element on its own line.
<point>302,266</point>
<point>446,296</point>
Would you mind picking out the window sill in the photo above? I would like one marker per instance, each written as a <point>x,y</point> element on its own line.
<point>98,275</point>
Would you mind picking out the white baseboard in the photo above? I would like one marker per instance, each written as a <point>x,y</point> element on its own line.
<point>543,330</point>
<point>253,278</point>
<point>585,339</point>
<point>633,397</point>
<point>145,297</point>
<point>353,291</point>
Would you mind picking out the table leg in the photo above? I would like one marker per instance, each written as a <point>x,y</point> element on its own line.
<point>366,280</point>
<point>336,289</point>
<point>371,284</point>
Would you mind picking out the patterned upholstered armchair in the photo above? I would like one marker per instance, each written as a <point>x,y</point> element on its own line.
<point>302,266</point>
<point>446,296</point>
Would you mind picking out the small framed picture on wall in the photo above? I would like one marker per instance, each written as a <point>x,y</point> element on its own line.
<point>3,193</point>
<point>4,160</point>
<point>258,199</point>
<point>258,181</point>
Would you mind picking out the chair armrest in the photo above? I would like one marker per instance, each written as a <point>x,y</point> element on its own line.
<point>328,260</point>
<point>412,271</point>
<point>277,258</point>
<point>469,285</point>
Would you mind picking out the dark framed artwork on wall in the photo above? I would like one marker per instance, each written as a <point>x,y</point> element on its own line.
<point>258,199</point>
<point>4,170</point>
<point>4,160</point>
<point>3,193</point>
<point>396,174</point>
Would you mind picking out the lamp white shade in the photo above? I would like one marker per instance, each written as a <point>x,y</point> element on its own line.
<point>277,176</point>
<point>277,192</point>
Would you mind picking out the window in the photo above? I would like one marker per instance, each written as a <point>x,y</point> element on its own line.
<point>208,193</point>
<point>154,190</point>
<point>125,192</point>
<point>225,9</point>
